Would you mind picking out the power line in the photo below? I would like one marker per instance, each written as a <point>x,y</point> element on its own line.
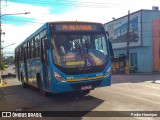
<point>65,1</point>
<point>70,3</point>
<point>27,21</point>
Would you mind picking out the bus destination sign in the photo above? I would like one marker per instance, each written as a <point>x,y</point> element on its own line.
<point>76,27</point>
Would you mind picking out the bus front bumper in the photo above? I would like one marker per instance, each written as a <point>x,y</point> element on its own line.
<point>61,87</point>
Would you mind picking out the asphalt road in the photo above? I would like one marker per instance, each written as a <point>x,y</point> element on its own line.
<point>127,93</point>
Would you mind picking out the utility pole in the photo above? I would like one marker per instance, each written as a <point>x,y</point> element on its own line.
<point>0,42</point>
<point>0,45</point>
<point>128,40</point>
<point>3,33</point>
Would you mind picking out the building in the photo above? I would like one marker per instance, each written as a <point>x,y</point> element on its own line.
<point>143,35</point>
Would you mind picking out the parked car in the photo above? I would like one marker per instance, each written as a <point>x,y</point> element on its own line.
<point>9,75</point>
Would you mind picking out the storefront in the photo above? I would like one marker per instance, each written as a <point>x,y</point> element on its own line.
<point>143,36</point>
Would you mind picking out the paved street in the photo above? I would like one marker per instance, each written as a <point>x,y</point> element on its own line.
<point>127,93</point>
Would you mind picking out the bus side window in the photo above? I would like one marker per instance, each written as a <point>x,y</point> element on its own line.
<point>22,54</point>
<point>32,49</point>
<point>28,52</point>
<point>37,46</point>
<point>43,51</point>
<point>25,51</point>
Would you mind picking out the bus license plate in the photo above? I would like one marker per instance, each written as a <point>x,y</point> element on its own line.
<point>86,87</point>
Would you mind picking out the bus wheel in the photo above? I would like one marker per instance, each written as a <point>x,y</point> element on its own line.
<point>41,90</point>
<point>23,82</point>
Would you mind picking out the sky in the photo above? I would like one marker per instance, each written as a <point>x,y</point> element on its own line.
<point>18,27</point>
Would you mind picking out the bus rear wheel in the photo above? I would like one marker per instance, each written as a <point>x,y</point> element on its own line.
<point>40,86</point>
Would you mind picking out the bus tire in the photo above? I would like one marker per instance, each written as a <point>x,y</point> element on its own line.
<point>40,86</point>
<point>23,82</point>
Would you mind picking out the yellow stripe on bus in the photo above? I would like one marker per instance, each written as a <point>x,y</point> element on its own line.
<point>82,79</point>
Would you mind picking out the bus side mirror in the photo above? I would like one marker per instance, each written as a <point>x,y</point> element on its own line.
<point>110,46</point>
<point>47,44</point>
<point>111,50</point>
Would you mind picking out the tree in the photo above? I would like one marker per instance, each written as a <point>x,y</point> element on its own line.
<point>2,66</point>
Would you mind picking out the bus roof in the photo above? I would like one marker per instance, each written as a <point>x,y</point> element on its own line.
<point>60,22</point>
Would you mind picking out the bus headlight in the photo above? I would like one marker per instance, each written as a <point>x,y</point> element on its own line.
<point>58,77</point>
<point>108,72</point>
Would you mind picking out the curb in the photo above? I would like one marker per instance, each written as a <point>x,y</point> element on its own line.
<point>140,73</point>
<point>144,73</point>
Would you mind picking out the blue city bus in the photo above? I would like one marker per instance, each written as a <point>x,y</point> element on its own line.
<point>65,56</point>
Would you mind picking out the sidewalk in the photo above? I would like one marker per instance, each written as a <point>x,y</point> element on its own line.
<point>6,72</point>
<point>137,73</point>
<point>145,73</point>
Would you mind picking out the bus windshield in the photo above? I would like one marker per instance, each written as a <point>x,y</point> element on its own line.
<point>71,50</point>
